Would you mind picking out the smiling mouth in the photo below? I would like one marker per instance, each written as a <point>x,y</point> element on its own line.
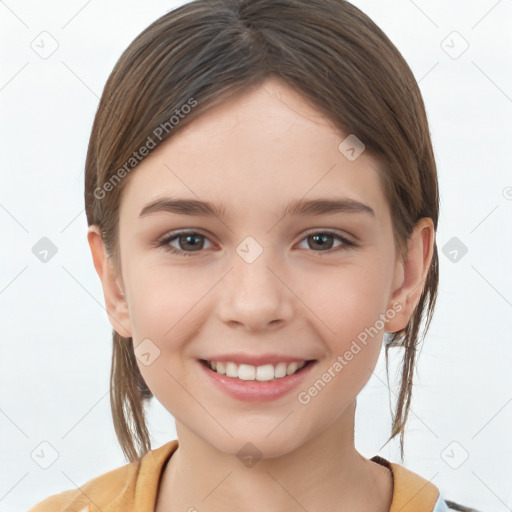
<point>263,373</point>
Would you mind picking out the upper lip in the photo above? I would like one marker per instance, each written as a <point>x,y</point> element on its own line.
<point>254,360</point>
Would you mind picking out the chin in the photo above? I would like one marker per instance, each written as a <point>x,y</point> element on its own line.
<point>251,448</point>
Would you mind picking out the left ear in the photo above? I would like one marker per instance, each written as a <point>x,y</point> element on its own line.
<point>411,273</point>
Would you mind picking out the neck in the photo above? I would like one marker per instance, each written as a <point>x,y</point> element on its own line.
<point>324,472</point>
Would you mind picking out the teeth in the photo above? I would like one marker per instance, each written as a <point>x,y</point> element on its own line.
<point>280,370</point>
<point>246,372</point>
<point>292,368</point>
<point>250,372</point>
<point>266,372</point>
<point>231,370</point>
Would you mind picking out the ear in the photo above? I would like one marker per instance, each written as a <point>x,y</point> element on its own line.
<point>410,274</point>
<point>115,299</point>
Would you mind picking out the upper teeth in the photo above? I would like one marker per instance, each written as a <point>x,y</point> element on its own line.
<point>250,372</point>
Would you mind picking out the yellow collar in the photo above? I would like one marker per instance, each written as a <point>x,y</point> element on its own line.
<point>134,487</point>
<point>411,492</point>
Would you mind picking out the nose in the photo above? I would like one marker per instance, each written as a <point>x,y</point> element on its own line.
<point>255,295</point>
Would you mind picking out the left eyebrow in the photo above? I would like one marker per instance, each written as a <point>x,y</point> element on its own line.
<point>326,207</point>
<point>193,207</point>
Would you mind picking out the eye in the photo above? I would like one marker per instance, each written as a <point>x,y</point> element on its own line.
<point>187,240</point>
<point>183,239</point>
<point>323,239</point>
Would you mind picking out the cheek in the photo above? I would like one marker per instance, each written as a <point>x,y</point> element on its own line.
<point>164,302</point>
<point>350,314</point>
<point>165,309</point>
<point>350,300</point>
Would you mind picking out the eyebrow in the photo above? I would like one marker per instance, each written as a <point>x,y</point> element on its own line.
<point>193,207</point>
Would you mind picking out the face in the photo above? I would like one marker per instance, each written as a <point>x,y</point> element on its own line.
<point>250,281</point>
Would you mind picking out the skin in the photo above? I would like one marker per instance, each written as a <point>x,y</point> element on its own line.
<point>255,152</point>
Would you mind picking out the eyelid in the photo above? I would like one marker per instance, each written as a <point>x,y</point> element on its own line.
<point>331,231</point>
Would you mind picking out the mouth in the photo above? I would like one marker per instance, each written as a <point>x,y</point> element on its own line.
<point>262,373</point>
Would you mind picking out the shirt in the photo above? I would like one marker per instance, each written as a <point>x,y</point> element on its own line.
<point>134,488</point>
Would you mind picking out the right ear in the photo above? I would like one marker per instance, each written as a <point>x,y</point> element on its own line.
<point>115,299</point>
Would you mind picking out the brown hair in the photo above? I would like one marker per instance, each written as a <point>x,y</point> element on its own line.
<point>207,50</point>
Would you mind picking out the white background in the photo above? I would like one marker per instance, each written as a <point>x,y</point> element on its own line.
<point>56,338</point>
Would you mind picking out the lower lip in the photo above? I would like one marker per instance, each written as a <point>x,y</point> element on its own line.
<point>255,390</point>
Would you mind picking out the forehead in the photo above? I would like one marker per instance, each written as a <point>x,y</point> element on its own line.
<point>255,152</point>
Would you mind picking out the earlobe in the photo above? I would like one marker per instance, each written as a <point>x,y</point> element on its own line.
<point>115,300</point>
<point>411,273</point>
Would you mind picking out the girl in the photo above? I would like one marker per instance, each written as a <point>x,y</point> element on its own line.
<point>262,199</point>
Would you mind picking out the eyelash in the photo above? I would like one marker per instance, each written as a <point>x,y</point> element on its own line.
<point>347,244</point>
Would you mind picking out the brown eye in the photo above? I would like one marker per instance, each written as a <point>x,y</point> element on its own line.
<point>322,241</point>
<point>187,243</point>
<point>190,241</point>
